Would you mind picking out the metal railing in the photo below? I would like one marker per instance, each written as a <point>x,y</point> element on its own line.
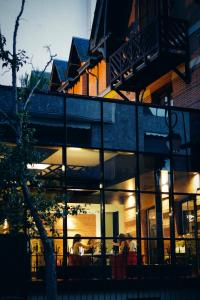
<point>167,35</point>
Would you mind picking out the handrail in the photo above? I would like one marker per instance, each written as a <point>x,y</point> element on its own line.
<point>162,34</point>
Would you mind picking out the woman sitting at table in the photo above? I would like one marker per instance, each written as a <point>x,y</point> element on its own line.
<point>122,244</point>
<point>93,246</point>
<point>77,245</point>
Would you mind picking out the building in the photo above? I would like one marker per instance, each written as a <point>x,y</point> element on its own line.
<point>120,137</point>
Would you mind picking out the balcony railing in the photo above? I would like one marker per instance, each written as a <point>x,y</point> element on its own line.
<point>163,37</point>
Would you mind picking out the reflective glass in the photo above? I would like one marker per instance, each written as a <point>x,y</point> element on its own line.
<point>83,122</point>
<point>119,170</point>
<point>153,129</point>
<point>154,173</point>
<point>83,167</point>
<point>119,126</point>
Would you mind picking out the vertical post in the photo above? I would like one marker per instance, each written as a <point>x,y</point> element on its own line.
<point>171,191</point>
<point>159,223</point>
<point>102,196</point>
<point>137,188</point>
<point>64,163</point>
<point>196,237</point>
<point>137,96</point>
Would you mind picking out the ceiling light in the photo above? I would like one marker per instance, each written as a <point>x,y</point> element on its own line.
<point>37,166</point>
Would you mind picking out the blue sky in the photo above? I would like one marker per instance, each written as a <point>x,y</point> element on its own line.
<point>45,22</point>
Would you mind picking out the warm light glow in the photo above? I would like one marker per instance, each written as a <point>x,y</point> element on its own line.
<point>70,223</point>
<point>131,201</point>
<point>63,168</point>
<point>37,166</point>
<point>164,177</point>
<point>165,189</point>
<point>75,149</point>
<point>5,226</point>
<point>165,205</point>
<point>164,182</point>
<point>196,181</point>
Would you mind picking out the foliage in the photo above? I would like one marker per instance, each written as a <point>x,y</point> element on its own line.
<point>9,60</point>
<point>13,169</point>
<point>29,81</point>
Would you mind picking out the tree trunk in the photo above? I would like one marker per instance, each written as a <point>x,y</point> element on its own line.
<point>50,266</point>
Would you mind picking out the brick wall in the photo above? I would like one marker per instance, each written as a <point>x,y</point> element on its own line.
<point>187,95</point>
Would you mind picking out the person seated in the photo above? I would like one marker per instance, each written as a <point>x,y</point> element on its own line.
<point>132,255</point>
<point>122,244</point>
<point>77,245</point>
<point>132,243</point>
<point>93,246</point>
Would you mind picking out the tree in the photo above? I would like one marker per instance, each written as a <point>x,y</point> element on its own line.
<point>15,178</point>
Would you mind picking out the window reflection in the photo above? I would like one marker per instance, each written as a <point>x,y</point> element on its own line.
<point>83,123</point>
<point>180,126</point>
<point>154,130</point>
<point>119,126</point>
<point>119,170</point>
<point>186,178</point>
<point>48,167</point>
<point>153,169</point>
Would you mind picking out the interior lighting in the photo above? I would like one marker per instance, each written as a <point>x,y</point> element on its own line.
<point>74,149</point>
<point>131,201</point>
<point>164,182</point>
<point>165,205</point>
<point>37,166</point>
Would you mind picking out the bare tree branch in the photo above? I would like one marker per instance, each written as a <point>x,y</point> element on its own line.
<point>6,71</point>
<point>14,62</point>
<point>6,117</point>
<point>30,62</point>
<point>51,57</point>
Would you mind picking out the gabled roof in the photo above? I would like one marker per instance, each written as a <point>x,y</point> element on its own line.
<point>78,55</point>
<point>61,67</point>
<point>81,46</point>
<point>110,21</point>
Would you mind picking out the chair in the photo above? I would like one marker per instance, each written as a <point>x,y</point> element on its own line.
<point>132,258</point>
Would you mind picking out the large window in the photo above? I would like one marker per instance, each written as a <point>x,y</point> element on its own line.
<point>83,168</point>
<point>119,126</point>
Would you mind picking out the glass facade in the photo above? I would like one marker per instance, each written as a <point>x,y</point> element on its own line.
<point>134,169</point>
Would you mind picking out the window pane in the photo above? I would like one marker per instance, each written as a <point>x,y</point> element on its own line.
<point>48,116</point>
<point>119,126</point>
<point>184,216</point>
<point>49,166</point>
<point>153,129</point>
<point>165,215</point>
<point>186,176</point>
<point>83,168</point>
<point>150,166</point>
<point>185,251</point>
<point>180,135</point>
<point>198,215</point>
<point>119,170</point>
<point>120,217</point>
<point>87,221</point>
<point>148,215</point>
<point>83,122</point>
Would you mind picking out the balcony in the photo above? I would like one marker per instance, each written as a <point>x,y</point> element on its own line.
<point>158,48</point>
